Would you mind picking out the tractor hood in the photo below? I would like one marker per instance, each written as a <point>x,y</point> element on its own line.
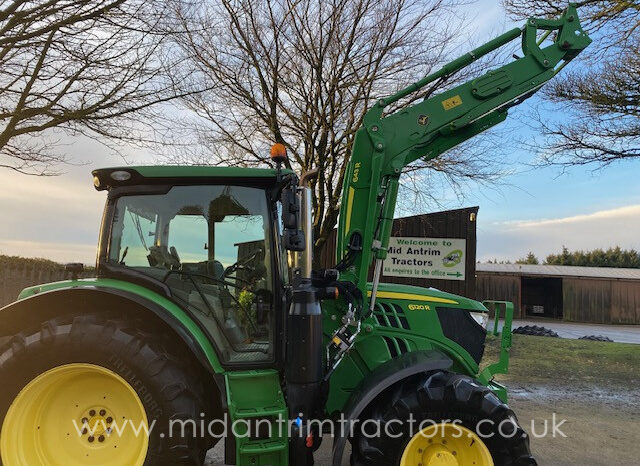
<point>396,291</point>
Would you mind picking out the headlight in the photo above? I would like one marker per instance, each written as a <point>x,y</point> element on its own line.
<point>481,317</point>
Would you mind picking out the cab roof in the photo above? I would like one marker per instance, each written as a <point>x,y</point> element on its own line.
<point>104,178</point>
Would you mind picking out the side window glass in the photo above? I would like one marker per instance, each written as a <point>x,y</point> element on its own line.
<point>238,237</point>
<point>241,248</point>
<point>188,236</point>
<point>138,234</point>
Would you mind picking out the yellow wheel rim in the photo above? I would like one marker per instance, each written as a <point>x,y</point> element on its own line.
<point>446,445</point>
<point>76,414</point>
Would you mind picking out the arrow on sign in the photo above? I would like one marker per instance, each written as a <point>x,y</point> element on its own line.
<point>457,274</point>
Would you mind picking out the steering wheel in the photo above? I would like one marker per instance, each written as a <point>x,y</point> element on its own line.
<point>242,264</point>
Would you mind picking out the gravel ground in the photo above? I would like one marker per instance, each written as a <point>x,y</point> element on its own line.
<point>594,386</point>
<point>601,428</point>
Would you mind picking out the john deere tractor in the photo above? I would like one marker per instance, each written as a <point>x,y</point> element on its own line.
<point>207,319</point>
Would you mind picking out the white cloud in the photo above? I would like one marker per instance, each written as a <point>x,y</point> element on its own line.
<point>631,211</point>
<point>601,229</point>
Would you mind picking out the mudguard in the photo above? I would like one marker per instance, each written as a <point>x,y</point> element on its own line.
<point>75,297</point>
<point>383,377</point>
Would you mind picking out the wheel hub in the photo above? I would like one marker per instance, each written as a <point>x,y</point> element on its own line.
<point>438,456</point>
<point>446,445</point>
<point>97,424</point>
<point>74,415</point>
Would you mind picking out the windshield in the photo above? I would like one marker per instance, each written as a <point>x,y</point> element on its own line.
<point>212,246</point>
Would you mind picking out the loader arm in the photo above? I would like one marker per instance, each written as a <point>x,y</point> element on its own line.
<point>386,144</point>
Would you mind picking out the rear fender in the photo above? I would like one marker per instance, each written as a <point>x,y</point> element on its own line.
<point>382,378</point>
<point>77,299</point>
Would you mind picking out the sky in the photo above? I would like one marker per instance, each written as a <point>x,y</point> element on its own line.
<point>533,209</point>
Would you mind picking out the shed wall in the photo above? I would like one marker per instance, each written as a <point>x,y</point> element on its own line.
<point>625,302</point>
<point>500,288</point>
<point>594,300</point>
<point>587,300</point>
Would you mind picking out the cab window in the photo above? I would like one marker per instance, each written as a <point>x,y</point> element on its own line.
<point>212,246</point>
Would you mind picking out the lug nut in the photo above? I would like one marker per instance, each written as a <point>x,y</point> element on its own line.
<point>102,412</point>
<point>101,439</point>
<point>92,412</point>
<point>91,439</point>
<point>109,420</point>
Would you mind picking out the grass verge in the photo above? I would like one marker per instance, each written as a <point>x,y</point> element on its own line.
<point>561,361</point>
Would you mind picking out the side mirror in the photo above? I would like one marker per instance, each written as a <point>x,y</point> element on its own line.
<point>290,209</point>
<point>293,237</point>
<point>293,240</point>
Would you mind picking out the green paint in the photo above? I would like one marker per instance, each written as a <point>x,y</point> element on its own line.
<point>502,366</point>
<point>171,308</point>
<point>371,348</point>
<point>256,396</point>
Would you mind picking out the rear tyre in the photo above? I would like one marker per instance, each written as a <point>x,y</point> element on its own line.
<point>71,385</point>
<point>447,410</point>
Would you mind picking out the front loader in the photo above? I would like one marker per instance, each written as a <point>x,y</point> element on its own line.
<point>208,321</point>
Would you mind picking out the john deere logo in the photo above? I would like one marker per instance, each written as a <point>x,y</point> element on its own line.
<point>423,120</point>
<point>419,307</point>
<point>452,259</point>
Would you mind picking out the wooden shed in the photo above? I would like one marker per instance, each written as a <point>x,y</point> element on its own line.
<point>578,294</point>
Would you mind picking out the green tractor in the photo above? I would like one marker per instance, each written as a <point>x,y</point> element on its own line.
<point>208,321</point>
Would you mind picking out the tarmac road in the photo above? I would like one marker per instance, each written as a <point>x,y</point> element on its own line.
<point>618,333</point>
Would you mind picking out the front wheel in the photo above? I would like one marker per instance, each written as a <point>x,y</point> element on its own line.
<point>440,418</point>
<point>88,390</point>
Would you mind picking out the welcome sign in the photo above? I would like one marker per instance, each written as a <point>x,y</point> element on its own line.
<point>433,258</point>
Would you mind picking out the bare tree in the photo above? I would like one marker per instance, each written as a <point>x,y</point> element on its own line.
<point>600,103</point>
<point>80,67</point>
<point>303,73</point>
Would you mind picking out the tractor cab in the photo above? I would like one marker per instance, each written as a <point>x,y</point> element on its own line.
<point>214,244</point>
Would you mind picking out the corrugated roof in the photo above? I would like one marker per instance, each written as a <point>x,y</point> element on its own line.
<point>561,271</point>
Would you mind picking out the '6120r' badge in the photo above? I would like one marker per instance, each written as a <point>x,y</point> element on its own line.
<point>423,120</point>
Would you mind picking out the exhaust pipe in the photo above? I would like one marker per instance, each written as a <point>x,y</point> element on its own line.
<point>306,211</point>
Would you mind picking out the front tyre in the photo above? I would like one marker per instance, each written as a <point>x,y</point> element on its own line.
<point>440,418</point>
<point>87,390</point>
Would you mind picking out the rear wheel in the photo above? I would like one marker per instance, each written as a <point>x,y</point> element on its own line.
<point>88,390</point>
<point>440,419</point>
